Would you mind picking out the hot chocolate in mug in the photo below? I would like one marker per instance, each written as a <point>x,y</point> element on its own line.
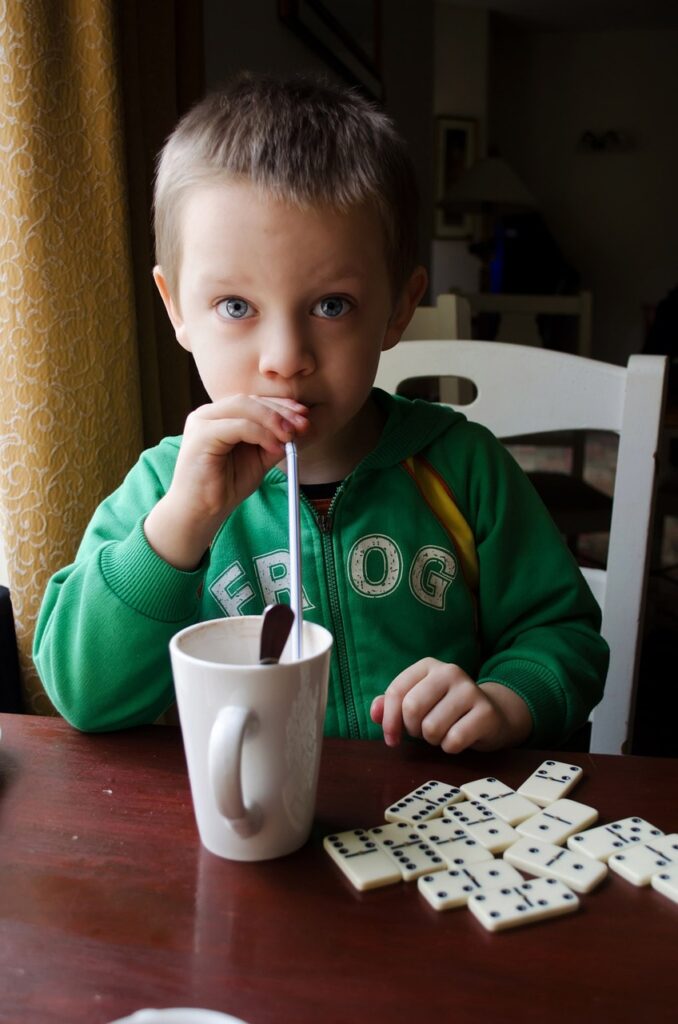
<point>252,734</point>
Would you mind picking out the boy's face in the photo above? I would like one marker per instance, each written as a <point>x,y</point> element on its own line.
<point>278,301</point>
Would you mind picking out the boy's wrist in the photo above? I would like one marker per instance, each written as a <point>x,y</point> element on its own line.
<point>147,583</point>
<point>515,714</point>
<point>177,538</point>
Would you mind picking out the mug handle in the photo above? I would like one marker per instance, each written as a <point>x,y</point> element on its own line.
<point>224,763</point>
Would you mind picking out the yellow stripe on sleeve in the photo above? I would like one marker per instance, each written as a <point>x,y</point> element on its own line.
<point>441,501</point>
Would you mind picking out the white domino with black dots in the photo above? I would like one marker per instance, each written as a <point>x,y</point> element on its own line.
<point>616,837</point>
<point>550,782</point>
<point>483,825</point>
<point>408,849</point>
<point>446,837</point>
<point>558,821</point>
<point>500,799</point>
<point>643,860</point>
<point>363,862</point>
<point>666,882</point>
<point>510,907</point>
<point>425,802</point>
<point>454,844</point>
<point>445,890</point>
<point>547,860</point>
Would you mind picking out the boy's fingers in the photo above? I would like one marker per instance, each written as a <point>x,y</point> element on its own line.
<point>391,720</point>
<point>282,417</point>
<point>222,435</point>
<point>293,416</point>
<point>436,701</point>
<point>258,426</point>
<point>224,407</point>
<point>442,694</point>
<point>444,715</point>
<point>461,698</point>
<point>286,406</point>
<point>421,702</point>
<point>474,729</point>
<point>269,411</point>
<point>456,727</point>
<point>392,715</point>
<point>377,709</point>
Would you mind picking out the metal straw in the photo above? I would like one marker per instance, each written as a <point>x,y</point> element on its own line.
<point>295,546</point>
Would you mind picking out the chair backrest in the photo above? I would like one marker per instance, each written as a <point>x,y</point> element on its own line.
<point>523,390</point>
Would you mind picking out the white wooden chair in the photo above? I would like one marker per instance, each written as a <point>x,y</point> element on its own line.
<point>523,390</point>
<point>576,505</point>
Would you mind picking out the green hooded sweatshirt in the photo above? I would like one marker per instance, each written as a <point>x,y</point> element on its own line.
<point>435,545</point>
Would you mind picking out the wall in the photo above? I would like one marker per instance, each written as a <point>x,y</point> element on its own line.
<point>460,90</point>
<point>614,215</point>
<point>250,35</point>
<point>247,34</point>
<point>408,32</point>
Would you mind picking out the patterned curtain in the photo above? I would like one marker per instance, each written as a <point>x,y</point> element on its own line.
<point>70,419</point>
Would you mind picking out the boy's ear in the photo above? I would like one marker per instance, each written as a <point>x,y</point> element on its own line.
<point>409,299</point>
<point>171,306</point>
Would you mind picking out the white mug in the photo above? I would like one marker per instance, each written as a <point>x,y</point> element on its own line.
<point>252,734</point>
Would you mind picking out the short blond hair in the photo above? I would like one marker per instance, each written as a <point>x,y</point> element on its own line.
<point>303,140</point>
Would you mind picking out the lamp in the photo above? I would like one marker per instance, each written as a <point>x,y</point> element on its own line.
<point>492,188</point>
<point>489,186</point>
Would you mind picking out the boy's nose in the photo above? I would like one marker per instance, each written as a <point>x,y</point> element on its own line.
<point>286,353</point>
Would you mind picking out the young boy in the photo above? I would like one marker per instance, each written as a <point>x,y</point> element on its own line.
<point>285,227</point>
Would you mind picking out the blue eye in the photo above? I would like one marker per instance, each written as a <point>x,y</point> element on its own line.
<point>234,309</point>
<point>331,307</point>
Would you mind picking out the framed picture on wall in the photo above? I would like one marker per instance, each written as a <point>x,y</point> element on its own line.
<point>456,149</point>
<point>346,36</point>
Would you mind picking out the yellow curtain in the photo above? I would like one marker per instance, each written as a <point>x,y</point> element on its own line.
<point>70,422</point>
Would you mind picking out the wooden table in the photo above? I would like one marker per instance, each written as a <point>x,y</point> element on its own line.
<point>109,904</point>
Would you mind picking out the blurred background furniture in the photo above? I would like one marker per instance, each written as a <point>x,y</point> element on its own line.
<point>563,322</point>
<point>667,495</point>
<point>10,680</point>
<point>519,315</point>
<point>450,318</point>
<point>558,391</point>
<point>530,295</point>
<point>661,338</point>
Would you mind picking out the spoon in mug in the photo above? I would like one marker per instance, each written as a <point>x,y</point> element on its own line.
<point>275,629</point>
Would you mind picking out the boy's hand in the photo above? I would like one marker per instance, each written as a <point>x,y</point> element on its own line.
<point>226,449</point>
<point>443,705</point>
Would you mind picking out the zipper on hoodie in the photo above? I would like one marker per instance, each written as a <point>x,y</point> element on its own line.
<point>325,522</point>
